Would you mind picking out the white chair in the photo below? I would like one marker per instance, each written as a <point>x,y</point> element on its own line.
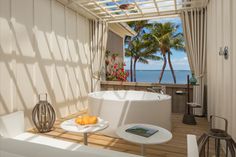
<point>12,124</point>
<point>192,147</point>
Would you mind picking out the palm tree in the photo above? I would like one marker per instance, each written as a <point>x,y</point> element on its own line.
<point>138,27</point>
<point>141,51</point>
<point>166,37</point>
<point>129,54</point>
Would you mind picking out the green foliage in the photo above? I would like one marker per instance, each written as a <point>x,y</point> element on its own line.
<point>165,37</point>
<point>139,49</point>
<point>115,68</point>
<point>160,37</point>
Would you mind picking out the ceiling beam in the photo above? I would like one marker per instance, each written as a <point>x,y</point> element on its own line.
<point>175,3</point>
<point>157,8</point>
<point>86,9</point>
<point>104,9</point>
<point>150,17</point>
<point>139,9</point>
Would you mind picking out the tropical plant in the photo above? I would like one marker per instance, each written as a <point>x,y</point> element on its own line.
<point>138,27</point>
<point>115,68</point>
<point>141,51</point>
<point>166,37</point>
<point>130,55</point>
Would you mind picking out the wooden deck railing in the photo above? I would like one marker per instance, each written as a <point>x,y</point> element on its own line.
<point>178,100</point>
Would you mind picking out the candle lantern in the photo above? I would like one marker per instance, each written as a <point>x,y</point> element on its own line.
<point>43,115</point>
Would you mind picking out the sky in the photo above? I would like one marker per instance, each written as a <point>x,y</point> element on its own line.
<point>179,58</point>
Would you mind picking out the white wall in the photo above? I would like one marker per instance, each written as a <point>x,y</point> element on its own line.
<point>44,47</point>
<point>115,44</point>
<point>222,73</point>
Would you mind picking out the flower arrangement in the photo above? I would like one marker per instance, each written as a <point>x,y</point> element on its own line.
<point>115,68</point>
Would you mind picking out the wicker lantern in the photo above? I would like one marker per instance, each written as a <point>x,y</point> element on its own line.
<point>43,115</point>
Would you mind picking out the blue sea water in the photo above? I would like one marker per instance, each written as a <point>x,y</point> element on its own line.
<point>153,76</point>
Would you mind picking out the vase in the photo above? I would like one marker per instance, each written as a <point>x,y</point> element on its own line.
<point>193,80</point>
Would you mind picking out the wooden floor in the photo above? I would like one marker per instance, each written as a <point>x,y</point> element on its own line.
<point>175,148</point>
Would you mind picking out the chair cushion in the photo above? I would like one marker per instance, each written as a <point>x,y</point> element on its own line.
<point>7,154</point>
<point>192,146</point>
<point>70,146</point>
<point>12,124</point>
<point>28,149</point>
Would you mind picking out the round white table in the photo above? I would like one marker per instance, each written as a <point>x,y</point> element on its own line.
<point>72,126</point>
<point>159,137</point>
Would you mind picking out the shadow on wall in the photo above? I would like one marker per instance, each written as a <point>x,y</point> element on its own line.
<point>34,61</point>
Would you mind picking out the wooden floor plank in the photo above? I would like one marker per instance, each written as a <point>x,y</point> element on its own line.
<point>174,148</point>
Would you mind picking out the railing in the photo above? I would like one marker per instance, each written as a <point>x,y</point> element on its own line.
<point>178,100</point>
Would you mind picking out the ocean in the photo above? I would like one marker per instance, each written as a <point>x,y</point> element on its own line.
<point>153,76</point>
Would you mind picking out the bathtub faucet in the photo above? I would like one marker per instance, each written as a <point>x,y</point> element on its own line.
<point>161,89</point>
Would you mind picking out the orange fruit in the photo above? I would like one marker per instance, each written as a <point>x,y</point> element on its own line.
<point>83,120</point>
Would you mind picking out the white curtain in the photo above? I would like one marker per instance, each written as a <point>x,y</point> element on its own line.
<point>98,37</point>
<point>194,27</point>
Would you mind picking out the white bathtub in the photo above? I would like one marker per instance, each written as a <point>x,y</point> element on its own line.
<point>124,107</point>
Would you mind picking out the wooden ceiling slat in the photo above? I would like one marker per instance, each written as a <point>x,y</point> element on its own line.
<point>119,8</point>
<point>139,9</point>
<point>104,9</point>
<point>157,8</point>
<point>175,2</point>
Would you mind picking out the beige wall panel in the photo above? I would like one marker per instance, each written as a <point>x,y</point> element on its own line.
<point>6,99</point>
<point>115,44</point>
<point>6,36</point>
<point>22,12</point>
<point>72,57</point>
<point>221,72</point>
<point>42,11</point>
<point>83,58</point>
<point>58,28</point>
<point>227,69</point>
<point>43,49</point>
<point>55,48</point>
<point>25,93</point>
<point>209,59</point>
<point>5,10</point>
<point>219,59</point>
<point>43,68</point>
<point>233,65</point>
<point>72,88</point>
<point>71,36</point>
<point>22,22</point>
<point>23,39</point>
<point>6,60</point>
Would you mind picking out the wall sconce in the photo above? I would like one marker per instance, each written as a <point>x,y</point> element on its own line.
<point>224,52</point>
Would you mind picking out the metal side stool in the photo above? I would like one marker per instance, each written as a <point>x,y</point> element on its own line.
<point>189,116</point>
<point>218,135</point>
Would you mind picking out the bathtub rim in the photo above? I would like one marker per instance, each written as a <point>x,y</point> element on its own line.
<point>166,96</point>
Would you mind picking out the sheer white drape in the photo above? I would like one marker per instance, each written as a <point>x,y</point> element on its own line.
<point>98,36</point>
<point>194,28</point>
